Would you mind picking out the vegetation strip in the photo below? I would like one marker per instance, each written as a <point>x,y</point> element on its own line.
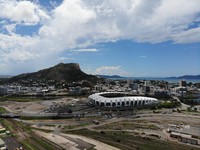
<point>126,141</point>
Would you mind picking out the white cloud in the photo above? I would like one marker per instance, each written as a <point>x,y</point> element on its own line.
<point>189,36</point>
<point>17,48</point>
<point>10,28</point>
<point>25,12</point>
<point>63,59</point>
<point>2,66</point>
<point>68,26</point>
<point>78,24</point>
<point>143,56</point>
<point>111,70</point>
<point>20,57</point>
<point>85,50</point>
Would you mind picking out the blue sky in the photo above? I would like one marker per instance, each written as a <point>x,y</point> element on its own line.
<point>137,38</point>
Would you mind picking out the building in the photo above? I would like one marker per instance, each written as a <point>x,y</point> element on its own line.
<point>3,90</point>
<point>184,138</point>
<point>2,130</point>
<point>133,86</point>
<point>146,89</point>
<point>2,145</point>
<point>98,87</point>
<point>119,100</point>
<point>75,90</point>
<point>147,83</point>
<point>182,83</point>
<point>182,91</point>
<point>185,133</point>
<point>190,140</point>
<point>161,93</point>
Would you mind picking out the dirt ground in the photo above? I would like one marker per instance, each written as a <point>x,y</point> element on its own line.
<point>98,145</point>
<point>34,107</point>
<point>24,107</point>
<point>61,141</point>
<point>75,142</point>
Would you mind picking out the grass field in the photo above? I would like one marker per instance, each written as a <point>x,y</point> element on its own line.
<point>126,141</point>
<point>76,126</point>
<point>28,145</point>
<point>26,136</point>
<point>19,99</point>
<point>129,125</point>
<point>3,110</point>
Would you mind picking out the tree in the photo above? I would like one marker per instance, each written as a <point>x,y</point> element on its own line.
<point>188,108</point>
<point>195,108</point>
<point>69,111</point>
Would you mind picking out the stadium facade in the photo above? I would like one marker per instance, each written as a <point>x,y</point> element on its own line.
<point>118,100</point>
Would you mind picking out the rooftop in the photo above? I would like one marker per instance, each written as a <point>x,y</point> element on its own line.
<point>2,142</point>
<point>192,130</point>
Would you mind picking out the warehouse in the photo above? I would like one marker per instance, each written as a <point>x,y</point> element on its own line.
<point>185,133</point>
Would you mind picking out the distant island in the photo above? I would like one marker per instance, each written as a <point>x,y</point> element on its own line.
<point>185,77</point>
<point>179,77</point>
<point>5,76</point>
<point>110,76</point>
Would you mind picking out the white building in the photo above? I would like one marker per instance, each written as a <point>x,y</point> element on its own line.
<point>113,100</point>
<point>2,145</point>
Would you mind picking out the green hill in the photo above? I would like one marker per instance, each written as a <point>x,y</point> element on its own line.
<point>69,72</point>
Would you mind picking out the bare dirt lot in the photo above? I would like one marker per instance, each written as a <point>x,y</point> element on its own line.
<point>75,142</point>
<point>113,128</point>
<point>35,107</point>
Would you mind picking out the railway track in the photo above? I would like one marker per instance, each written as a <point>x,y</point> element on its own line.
<point>24,135</point>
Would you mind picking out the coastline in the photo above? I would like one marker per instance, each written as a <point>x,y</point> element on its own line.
<point>174,80</point>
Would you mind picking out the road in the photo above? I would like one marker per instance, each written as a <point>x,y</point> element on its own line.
<point>183,106</point>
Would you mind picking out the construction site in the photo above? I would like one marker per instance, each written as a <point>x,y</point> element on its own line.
<point>70,123</point>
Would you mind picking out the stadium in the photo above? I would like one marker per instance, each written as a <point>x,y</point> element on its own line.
<point>118,100</point>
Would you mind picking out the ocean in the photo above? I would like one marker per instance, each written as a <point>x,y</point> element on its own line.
<point>174,80</point>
